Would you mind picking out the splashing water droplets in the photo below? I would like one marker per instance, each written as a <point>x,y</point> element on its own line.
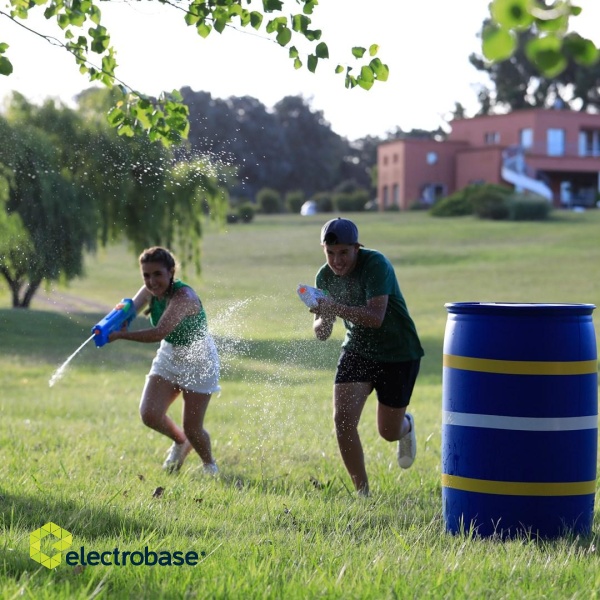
<point>61,370</point>
<point>228,339</point>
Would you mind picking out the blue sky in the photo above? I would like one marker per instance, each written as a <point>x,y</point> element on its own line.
<point>426,44</point>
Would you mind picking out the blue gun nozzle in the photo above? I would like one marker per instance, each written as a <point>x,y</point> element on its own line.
<point>123,312</point>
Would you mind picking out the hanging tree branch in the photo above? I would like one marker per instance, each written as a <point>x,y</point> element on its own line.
<point>166,118</point>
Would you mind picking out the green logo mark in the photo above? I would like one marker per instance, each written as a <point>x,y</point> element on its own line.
<point>65,539</point>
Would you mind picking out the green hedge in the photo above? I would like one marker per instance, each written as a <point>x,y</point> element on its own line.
<point>529,208</point>
<point>354,201</point>
<point>490,204</point>
<point>294,201</point>
<point>491,201</point>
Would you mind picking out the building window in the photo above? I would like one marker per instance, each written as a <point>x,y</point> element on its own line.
<point>385,196</point>
<point>395,195</point>
<point>432,158</point>
<point>385,160</point>
<point>556,142</point>
<point>395,158</point>
<point>491,137</point>
<point>526,138</point>
<point>589,142</point>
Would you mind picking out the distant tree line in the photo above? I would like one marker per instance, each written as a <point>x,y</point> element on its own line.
<point>290,147</point>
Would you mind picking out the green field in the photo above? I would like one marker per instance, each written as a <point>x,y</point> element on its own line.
<point>281,520</point>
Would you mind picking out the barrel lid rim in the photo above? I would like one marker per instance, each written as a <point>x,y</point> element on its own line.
<point>520,305</point>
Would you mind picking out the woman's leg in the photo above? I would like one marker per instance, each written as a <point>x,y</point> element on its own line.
<point>157,397</point>
<point>194,409</point>
<point>348,402</point>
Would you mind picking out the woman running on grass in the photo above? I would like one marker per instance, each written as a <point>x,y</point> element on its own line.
<point>186,361</point>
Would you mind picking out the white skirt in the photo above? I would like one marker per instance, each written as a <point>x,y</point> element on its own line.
<point>194,367</point>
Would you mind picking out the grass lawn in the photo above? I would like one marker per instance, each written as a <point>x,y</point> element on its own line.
<point>281,520</point>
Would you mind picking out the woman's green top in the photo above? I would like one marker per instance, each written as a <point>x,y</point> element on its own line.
<point>190,329</point>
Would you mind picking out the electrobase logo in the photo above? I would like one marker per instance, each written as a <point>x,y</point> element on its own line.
<point>65,539</point>
<point>137,558</point>
<point>92,558</point>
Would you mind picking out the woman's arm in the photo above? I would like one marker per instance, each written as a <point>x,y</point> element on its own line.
<point>141,298</point>
<point>183,303</point>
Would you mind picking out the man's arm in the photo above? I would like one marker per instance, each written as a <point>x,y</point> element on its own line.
<point>370,315</point>
<point>323,326</point>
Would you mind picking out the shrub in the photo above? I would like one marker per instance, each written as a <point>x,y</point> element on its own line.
<point>490,204</point>
<point>455,205</point>
<point>528,208</point>
<point>351,201</point>
<point>461,202</point>
<point>294,201</point>
<point>246,212</point>
<point>269,201</point>
<point>361,197</point>
<point>324,202</point>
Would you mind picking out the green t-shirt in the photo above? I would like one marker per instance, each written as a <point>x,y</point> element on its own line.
<point>397,339</point>
<point>190,328</point>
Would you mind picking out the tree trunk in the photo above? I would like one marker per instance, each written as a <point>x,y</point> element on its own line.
<point>16,285</point>
<point>32,288</point>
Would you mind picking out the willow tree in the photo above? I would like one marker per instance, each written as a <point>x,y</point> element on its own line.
<point>47,222</point>
<point>68,182</point>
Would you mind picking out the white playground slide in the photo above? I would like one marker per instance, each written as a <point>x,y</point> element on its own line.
<point>514,171</point>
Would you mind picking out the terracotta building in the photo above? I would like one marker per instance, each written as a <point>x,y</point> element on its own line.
<point>553,153</point>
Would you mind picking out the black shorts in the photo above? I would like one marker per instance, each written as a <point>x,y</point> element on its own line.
<point>393,381</point>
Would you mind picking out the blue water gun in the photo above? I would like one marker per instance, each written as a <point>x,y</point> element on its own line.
<point>122,313</point>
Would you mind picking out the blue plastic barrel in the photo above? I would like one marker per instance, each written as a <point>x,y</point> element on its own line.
<point>520,419</point>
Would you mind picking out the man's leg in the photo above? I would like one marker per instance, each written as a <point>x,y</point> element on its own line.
<point>392,423</point>
<point>348,402</point>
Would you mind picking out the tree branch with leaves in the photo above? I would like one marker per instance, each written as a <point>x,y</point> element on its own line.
<point>551,44</point>
<point>165,118</point>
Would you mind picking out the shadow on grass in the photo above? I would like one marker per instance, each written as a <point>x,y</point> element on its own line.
<point>310,355</point>
<point>52,337</point>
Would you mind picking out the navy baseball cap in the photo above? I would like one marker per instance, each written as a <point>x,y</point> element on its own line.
<point>339,231</point>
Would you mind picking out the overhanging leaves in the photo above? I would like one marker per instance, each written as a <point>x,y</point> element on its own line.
<point>552,46</point>
<point>89,43</point>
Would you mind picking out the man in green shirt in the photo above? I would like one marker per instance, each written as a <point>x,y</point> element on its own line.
<point>381,350</point>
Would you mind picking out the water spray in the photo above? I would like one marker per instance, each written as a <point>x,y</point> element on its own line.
<point>121,315</point>
<point>60,371</point>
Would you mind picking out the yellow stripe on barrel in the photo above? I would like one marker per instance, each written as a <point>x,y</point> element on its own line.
<point>518,488</point>
<point>520,367</point>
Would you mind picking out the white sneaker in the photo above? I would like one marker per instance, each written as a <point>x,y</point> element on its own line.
<point>210,469</point>
<point>177,454</point>
<point>407,446</point>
